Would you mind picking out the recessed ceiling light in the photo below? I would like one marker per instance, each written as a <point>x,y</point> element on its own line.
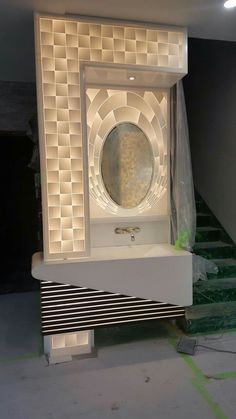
<point>131,78</point>
<point>230,3</point>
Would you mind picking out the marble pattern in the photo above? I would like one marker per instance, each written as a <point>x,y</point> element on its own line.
<point>214,300</point>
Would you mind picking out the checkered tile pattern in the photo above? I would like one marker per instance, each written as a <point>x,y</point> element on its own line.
<point>63,43</point>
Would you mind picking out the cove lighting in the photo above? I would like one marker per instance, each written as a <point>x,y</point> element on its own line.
<point>230,4</point>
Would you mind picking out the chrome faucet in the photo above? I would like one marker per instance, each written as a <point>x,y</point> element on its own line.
<point>128,230</point>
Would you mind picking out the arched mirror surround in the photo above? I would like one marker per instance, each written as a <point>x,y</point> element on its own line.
<point>148,111</point>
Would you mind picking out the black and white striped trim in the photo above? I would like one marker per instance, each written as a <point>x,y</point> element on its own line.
<point>66,308</point>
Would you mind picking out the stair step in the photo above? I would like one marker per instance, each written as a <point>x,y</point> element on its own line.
<point>214,291</point>
<point>216,250</point>
<point>208,233</point>
<point>210,317</point>
<point>197,196</point>
<point>217,284</point>
<point>208,324</point>
<point>226,266</point>
<point>208,228</point>
<point>212,309</point>
<point>204,219</point>
<point>201,206</point>
<point>214,300</point>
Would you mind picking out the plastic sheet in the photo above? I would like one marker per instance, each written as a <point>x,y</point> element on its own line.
<point>183,211</point>
<point>201,267</point>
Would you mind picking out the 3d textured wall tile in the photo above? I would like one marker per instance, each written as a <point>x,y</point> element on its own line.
<point>61,45</point>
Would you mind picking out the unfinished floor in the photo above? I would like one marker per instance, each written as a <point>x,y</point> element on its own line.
<point>136,379</point>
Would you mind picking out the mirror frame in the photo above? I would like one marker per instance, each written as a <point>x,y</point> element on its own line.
<point>148,110</point>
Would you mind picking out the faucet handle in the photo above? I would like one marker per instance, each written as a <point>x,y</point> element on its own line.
<point>125,230</point>
<point>133,229</point>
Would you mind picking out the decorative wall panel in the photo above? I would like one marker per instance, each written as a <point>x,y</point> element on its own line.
<point>62,44</point>
<point>145,109</point>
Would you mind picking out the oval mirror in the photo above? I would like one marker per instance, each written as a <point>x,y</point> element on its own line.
<point>127,165</point>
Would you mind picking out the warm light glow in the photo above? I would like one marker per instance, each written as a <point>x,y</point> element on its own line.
<point>230,4</point>
<point>62,44</point>
<point>131,78</point>
<point>149,112</point>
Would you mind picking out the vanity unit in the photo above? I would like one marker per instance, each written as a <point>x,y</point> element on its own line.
<point>104,116</point>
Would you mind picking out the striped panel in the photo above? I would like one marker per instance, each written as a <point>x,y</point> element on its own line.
<point>66,308</point>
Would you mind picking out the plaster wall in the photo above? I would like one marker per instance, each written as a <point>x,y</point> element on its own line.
<point>210,92</point>
<point>17,105</point>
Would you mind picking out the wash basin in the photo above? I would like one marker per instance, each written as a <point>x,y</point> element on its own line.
<point>156,271</point>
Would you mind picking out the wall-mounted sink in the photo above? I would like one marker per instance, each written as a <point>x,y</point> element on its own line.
<point>157,272</point>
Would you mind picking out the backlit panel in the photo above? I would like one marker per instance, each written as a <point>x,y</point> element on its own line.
<point>147,110</point>
<point>61,45</point>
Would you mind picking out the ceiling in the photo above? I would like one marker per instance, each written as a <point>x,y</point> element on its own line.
<point>204,19</point>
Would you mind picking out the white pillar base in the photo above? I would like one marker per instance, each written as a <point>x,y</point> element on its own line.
<point>61,347</point>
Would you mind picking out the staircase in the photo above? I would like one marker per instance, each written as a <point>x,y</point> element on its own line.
<point>214,300</point>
